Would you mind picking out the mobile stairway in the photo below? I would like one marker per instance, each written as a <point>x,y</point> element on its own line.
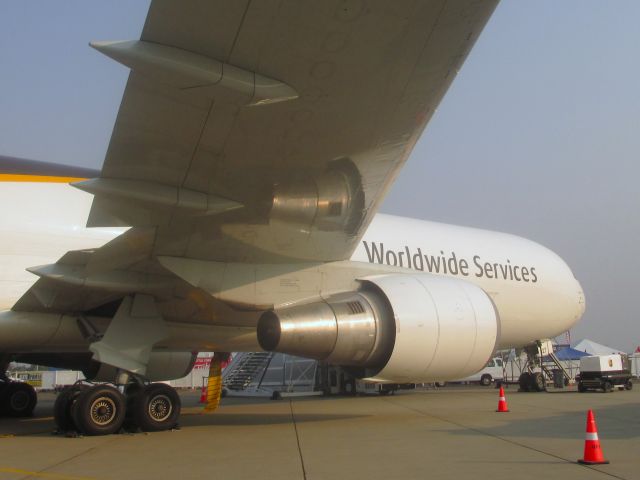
<point>535,366</point>
<point>272,375</point>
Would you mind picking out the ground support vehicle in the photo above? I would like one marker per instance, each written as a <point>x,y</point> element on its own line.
<point>604,372</point>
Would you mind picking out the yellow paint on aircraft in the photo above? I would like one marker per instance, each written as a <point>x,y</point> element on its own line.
<point>18,177</point>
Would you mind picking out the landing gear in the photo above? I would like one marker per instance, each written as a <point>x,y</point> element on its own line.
<point>99,410</point>
<point>532,382</point>
<point>537,382</point>
<point>102,409</point>
<point>154,407</point>
<point>525,382</point>
<point>17,399</point>
<point>62,408</point>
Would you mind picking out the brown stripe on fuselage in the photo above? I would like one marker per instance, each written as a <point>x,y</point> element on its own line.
<point>22,170</point>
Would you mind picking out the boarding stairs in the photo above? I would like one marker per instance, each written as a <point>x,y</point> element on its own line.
<point>246,369</point>
<point>264,374</point>
<point>554,363</point>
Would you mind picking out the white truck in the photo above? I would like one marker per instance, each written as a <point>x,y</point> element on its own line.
<point>493,371</point>
<point>604,372</point>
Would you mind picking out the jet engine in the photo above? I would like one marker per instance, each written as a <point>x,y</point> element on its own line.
<point>399,328</point>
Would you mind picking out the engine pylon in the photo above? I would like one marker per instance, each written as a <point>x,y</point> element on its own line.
<point>592,451</point>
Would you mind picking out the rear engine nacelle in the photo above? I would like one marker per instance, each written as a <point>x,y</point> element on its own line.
<point>398,328</point>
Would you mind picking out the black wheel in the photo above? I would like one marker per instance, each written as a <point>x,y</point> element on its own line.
<point>628,385</point>
<point>537,382</point>
<point>581,388</point>
<point>607,387</point>
<point>156,407</point>
<point>525,381</point>
<point>62,408</point>
<point>485,380</point>
<point>18,400</point>
<point>99,410</point>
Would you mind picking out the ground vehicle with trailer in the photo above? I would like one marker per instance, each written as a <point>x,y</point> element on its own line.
<point>604,372</point>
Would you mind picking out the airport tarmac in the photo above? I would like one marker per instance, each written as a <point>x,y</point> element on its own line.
<point>452,432</point>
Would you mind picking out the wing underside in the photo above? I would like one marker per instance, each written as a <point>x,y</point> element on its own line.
<point>256,132</point>
<point>269,131</point>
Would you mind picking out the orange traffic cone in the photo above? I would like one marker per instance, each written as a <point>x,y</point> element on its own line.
<point>592,450</point>
<point>502,402</point>
<point>203,395</point>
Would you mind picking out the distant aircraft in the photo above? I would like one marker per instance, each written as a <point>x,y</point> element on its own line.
<point>250,154</point>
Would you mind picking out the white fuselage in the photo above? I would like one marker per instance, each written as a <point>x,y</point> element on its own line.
<point>532,288</point>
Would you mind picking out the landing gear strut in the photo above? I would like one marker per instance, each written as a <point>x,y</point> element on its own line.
<point>103,409</point>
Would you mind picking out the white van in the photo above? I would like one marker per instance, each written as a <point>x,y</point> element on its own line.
<point>492,372</point>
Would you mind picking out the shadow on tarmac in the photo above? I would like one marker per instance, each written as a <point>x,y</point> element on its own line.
<point>42,422</point>
<point>247,419</point>
<point>614,422</point>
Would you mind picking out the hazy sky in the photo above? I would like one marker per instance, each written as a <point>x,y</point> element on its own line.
<point>539,135</point>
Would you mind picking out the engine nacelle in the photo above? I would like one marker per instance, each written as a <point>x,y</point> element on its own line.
<point>398,328</point>
<point>162,366</point>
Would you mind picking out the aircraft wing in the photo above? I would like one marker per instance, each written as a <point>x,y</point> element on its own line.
<point>269,131</point>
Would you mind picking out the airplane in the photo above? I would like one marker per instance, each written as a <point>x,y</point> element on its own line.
<point>236,211</point>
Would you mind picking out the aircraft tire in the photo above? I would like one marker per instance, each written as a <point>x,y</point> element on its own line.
<point>18,400</point>
<point>62,408</point>
<point>99,410</point>
<point>525,382</point>
<point>537,382</point>
<point>156,407</point>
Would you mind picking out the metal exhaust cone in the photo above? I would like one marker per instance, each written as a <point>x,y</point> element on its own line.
<point>592,451</point>
<point>502,402</point>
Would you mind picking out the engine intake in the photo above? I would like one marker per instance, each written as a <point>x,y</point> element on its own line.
<point>397,327</point>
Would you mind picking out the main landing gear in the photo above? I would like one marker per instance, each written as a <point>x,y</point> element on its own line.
<point>104,409</point>
<point>17,399</point>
